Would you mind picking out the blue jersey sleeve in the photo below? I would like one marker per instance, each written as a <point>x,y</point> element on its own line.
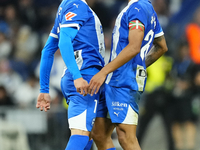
<point>47,57</point>
<point>158,29</point>
<point>74,14</point>
<point>137,13</point>
<point>54,32</point>
<point>66,48</point>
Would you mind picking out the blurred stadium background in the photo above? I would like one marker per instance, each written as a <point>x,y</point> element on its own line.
<point>171,99</point>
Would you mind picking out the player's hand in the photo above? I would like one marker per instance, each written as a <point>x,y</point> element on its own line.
<point>96,82</point>
<point>43,101</point>
<point>81,86</point>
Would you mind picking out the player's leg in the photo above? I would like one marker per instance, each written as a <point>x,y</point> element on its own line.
<point>83,137</point>
<point>78,140</point>
<point>101,133</point>
<point>81,113</point>
<point>103,127</point>
<point>123,109</point>
<point>77,118</point>
<point>127,136</point>
<point>89,145</point>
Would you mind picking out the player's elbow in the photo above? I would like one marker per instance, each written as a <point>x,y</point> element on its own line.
<point>45,53</point>
<point>164,49</point>
<point>161,48</point>
<point>133,51</point>
<point>160,43</point>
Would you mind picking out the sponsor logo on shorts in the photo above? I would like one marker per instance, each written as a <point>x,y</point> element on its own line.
<point>116,113</point>
<point>118,104</point>
<point>118,109</point>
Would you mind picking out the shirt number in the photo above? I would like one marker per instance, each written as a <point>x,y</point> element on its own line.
<point>144,49</point>
<point>95,107</point>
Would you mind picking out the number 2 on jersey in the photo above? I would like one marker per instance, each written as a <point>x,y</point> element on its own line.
<point>145,48</point>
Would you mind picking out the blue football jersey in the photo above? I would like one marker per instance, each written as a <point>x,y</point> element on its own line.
<point>133,74</point>
<point>89,47</point>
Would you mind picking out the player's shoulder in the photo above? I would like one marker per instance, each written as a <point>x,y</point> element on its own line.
<point>140,6</point>
<point>76,3</point>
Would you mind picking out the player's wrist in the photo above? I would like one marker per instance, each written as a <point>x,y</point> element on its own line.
<point>78,79</point>
<point>77,76</point>
<point>104,71</point>
<point>44,91</point>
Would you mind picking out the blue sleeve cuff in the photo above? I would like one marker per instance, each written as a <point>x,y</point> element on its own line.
<point>44,91</point>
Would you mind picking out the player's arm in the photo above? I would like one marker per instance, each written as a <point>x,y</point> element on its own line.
<point>67,34</point>
<point>46,62</point>
<point>130,51</point>
<point>158,49</point>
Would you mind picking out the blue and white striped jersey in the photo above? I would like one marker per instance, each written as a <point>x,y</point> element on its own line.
<point>89,47</point>
<point>133,74</point>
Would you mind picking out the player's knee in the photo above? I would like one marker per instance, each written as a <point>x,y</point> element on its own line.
<point>100,137</point>
<point>94,135</point>
<point>97,136</point>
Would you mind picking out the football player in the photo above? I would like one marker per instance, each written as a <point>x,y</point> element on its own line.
<point>138,41</point>
<point>78,34</point>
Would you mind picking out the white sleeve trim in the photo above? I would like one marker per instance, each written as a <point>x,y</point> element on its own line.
<point>159,34</point>
<point>54,35</point>
<point>70,25</point>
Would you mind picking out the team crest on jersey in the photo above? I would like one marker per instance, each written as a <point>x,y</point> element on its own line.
<point>70,15</point>
<point>136,24</point>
